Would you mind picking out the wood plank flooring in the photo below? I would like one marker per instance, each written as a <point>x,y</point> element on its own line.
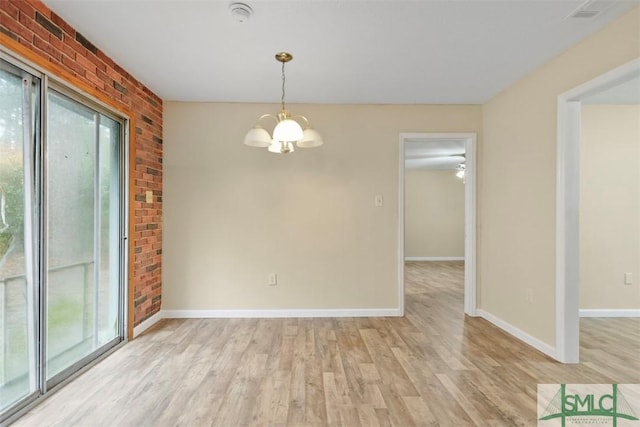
<point>433,367</point>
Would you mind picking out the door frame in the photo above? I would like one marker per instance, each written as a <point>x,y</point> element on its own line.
<point>567,325</point>
<point>470,139</point>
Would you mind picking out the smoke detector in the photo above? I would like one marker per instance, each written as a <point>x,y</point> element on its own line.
<point>240,12</point>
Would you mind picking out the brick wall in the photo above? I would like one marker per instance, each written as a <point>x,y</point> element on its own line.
<point>31,29</point>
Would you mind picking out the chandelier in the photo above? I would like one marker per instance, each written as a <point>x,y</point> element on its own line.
<point>287,130</point>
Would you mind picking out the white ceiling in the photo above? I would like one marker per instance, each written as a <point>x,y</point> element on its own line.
<point>348,51</point>
<point>434,154</point>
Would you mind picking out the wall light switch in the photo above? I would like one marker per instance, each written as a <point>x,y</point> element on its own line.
<point>149,196</point>
<point>528,295</point>
<point>379,201</point>
<point>628,278</point>
<point>272,279</point>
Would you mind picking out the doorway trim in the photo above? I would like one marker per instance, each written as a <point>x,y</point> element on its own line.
<point>567,207</point>
<point>470,300</point>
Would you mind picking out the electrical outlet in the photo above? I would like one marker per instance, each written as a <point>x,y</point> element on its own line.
<point>272,279</point>
<point>149,197</point>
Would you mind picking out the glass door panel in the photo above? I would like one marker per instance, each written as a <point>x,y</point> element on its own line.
<point>71,143</point>
<point>83,217</point>
<point>18,98</point>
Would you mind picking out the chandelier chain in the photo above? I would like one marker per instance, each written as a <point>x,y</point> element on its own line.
<point>283,81</point>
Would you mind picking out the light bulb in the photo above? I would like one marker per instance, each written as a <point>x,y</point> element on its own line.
<point>288,130</point>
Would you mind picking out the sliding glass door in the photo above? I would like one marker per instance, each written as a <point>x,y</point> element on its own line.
<point>83,233</point>
<point>62,234</point>
<point>19,93</point>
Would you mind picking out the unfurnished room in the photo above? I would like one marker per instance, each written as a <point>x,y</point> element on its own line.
<point>319,213</point>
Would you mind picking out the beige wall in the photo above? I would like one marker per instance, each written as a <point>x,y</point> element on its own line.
<point>233,213</point>
<point>434,214</point>
<point>609,206</point>
<point>517,178</point>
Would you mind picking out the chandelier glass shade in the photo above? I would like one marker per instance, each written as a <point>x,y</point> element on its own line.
<point>287,131</point>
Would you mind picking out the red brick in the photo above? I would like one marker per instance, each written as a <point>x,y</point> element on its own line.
<point>110,90</point>
<point>28,10</point>
<point>9,9</point>
<point>47,47</point>
<point>62,47</point>
<point>42,53</point>
<point>91,77</point>
<point>17,28</point>
<point>32,25</point>
<point>72,65</point>
<point>86,64</point>
<point>123,73</point>
<point>68,29</point>
<point>114,74</point>
<point>39,6</point>
<point>73,44</point>
<point>99,63</point>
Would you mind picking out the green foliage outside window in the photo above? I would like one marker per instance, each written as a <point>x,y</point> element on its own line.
<point>11,163</point>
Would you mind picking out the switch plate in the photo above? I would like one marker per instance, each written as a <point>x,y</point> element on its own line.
<point>528,295</point>
<point>272,279</point>
<point>149,196</point>
<point>628,278</point>
<point>379,201</point>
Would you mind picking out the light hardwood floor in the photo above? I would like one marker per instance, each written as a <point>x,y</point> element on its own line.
<point>433,367</point>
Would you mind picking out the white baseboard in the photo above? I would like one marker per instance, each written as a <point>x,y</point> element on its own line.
<point>147,323</point>
<point>598,312</point>
<point>280,313</point>
<point>434,258</point>
<point>256,314</point>
<point>520,334</point>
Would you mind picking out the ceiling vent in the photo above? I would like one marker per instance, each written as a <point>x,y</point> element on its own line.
<point>591,8</point>
<point>584,14</point>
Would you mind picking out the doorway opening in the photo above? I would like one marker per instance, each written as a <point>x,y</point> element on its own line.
<point>568,204</point>
<point>441,150</point>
